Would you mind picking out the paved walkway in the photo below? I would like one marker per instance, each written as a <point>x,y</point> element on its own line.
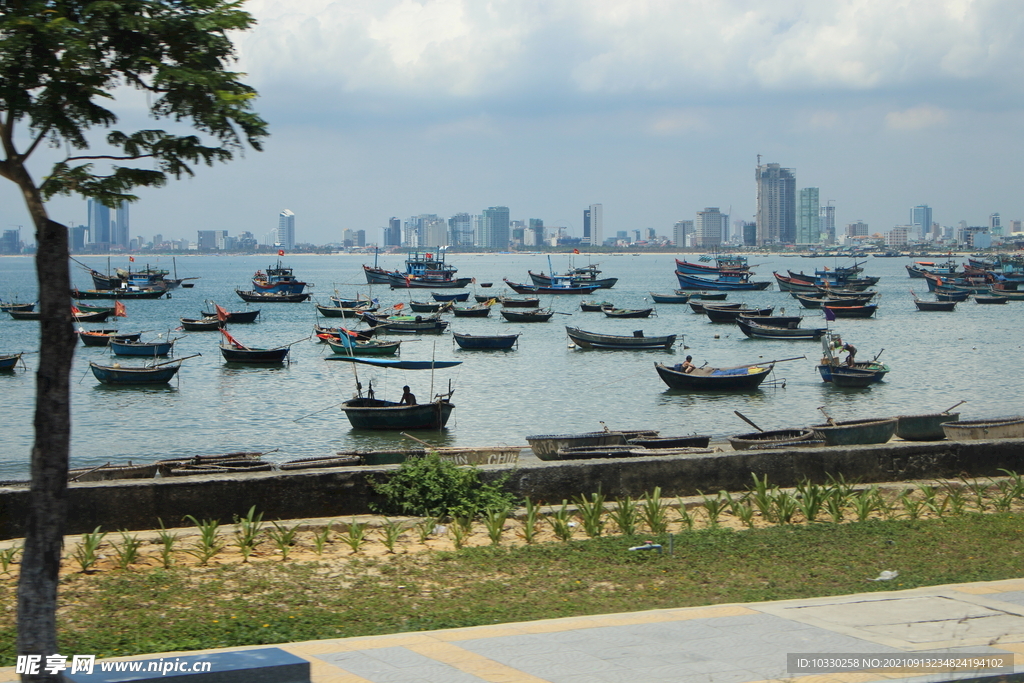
<point>721,644</point>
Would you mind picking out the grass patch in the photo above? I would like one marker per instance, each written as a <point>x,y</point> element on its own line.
<point>183,608</point>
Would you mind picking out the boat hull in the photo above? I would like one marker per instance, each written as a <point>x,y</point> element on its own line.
<point>546,446</point>
<point>772,438</point>
<point>924,427</point>
<point>727,379</point>
<point>856,432</point>
<point>369,413</point>
<point>271,298</point>
<point>254,356</point>
<point>975,430</point>
<point>134,376</point>
<point>147,349</point>
<point>486,342</point>
<point>592,340</point>
<point>9,361</point>
<point>722,284</point>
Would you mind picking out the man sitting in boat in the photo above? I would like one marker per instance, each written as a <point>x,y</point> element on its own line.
<point>408,398</point>
<point>687,365</point>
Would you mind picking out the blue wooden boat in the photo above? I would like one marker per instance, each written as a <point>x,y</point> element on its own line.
<point>254,296</point>
<point>9,361</point>
<point>669,298</point>
<point>455,296</point>
<point>485,341</point>
<point>161,373</point>
<point>558,286</point>
<point>233,316</point>
<point>739,378</point>
<point>924,427</point>
<point>277,280</point>
<point>373,413</point>
<point>349,344</point>
<point>722,283</point>
<point>636,342</point>
<point>233,354</point>
<point>137,348</point>
<point>845,377</point>
<point>756,330</point>
<point>6,306</point>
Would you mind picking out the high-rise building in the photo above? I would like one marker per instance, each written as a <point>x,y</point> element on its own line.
<point>858,229</point>
<point>460,228</point>
<point>78,236</point>
<point>808,224</point>
<point>593,225</point>
<point>495,228</point>
<point>776,205</point>
<point>99,223</point>
<point>393,233</point>
<point>586,226</point>
<point>286,230</point>
<point>10,243</point>
<point>119,230</point>
<point>920,221</point>
<point>680,231</point>
<point>995,225</point>
<point>708,227</point>
<point>827,222</point>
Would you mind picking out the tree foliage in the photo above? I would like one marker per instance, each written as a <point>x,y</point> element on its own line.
<point>65,65</point>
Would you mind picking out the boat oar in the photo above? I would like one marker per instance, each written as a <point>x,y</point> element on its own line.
<point>781,360</point>
<point>90,471</point>
<point>747,420</point>
<point>560,313</point>
<point>953,406</point>
<point>419,441</point>
<point>831,421</point>
<point>879,354</point>
<point>176,360</point>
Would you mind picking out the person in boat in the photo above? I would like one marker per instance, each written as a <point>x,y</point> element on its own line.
<point>408,398</point>
<point>852,351</point>
<point>687,365</point>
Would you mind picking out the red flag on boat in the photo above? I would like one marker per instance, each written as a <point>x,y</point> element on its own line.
<point>399,306</point>
<point>234,342</point>
<point>131,259</point>
<point>75,311</point>
<point>575,251</point>
<point>222,314</point>
<point>280,252</point>
<point>119,310</point>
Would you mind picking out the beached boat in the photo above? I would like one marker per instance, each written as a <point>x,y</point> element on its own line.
<point>927,427</point>
<point>992,428</point>
<point>485,341</point>
<point>660,442</point>
<point>546,446</point>
<point>738,378</point>
<point>470,455</point>
<point>776,437</point>
<point>321,461</point>
<point>636,342</point>
<point>528,315</point>
<point>856,432</point>
<point>108,472</point>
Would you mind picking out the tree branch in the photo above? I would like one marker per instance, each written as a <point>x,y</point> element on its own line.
<point>35,143</point>
<point>110,158</point>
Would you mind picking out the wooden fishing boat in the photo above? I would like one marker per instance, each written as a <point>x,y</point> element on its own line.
<point>128,293</point>
<point>8,361</point>
<point>396,363</point>
<point>99,317</point>
<point>485,341</point>
<point>595,306</point>
<point>738,378</point>
<point>224,467</point>
<point>813,301</point>
<point>429,306</point>
<point>983,299</point>
<point>773,320</point>
<point>698,306</point>
<point>138,348</point>
<point>161,373</point>
<point>830,361</point>
<point>236,316</point>
<point>865,311</point>
<point>482,298</point>
<point>255,356</point>
<point>531,315</point>
<point>669,298</point>
<point>626,450</point>
<point>408,324</point>
<point>785,437</point>
<point>110,472</point>
<point>350,346</point>
<point>723,283</point>
<point>358,302</point>
<point>103,337</point>
<point>373,413</point>
<point>24,315</point>
<point>992,428</point>
<point>110,310</point>
<point>6,306</point>
<point>271,297</point>
<point>926,427</point>
<point>481,455</point>
<point>707,296</point>
<point>856,432</point>
<point>513,302</point>
<point>325,333</point>
<point>923,305</point>
<point>1001,289</point>
<point>959,295</point>
<point>202,324</point>
<point>636,342</point>
<point>555,288</point>
<point>546,446</point>
<point>721,267</point>
<point>453,296</point>
<point>628,312</point>
<point>853,377</point>
<point>755,330</point>
<point>478,311</point>
<point>277,280</point>
<point>585,275</point>
<point>659,442</point>
<point>339,312</point>
<point>729,313</point>
<point>321,461</point>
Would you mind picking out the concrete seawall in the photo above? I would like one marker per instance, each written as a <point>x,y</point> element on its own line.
<point>141,504</point>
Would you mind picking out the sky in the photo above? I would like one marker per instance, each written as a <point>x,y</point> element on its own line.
<point>653,108</point>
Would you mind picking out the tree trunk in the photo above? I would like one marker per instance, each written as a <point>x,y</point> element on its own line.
<point>44,538</point>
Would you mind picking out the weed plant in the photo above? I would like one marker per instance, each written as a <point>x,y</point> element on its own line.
<point>283,537</point>
<point>653,512</point>
<point>784,506</point>
<point>561,522</point>
<point>425,527</point>
<point>355,535</point>
<point>128,552</point>
<point>322,537</point>
<point>459,534</point>
<point>495,520</point>
<point>911,505</point>
<point>685,516</point>
<point>956,499</point>
<point>714,507</point>
<point>209,543</point>
<point>167,541</point>
<point>811,499</point>
<point>391,530</point>
<point>247,529</point>
<point>87,552</point>
<point>626,515</point>
<point>591,513</point>
<point>529,530</point>
<point>763,497</point>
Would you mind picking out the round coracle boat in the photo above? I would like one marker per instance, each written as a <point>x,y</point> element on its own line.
<point>770,439</point>
<point>546,446</point>
<point>856,432</point>
<point>977,430</point>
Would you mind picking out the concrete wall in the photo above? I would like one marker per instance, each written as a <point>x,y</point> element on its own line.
<point>140,504</point>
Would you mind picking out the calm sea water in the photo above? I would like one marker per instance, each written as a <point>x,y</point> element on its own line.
<point>543,387</point>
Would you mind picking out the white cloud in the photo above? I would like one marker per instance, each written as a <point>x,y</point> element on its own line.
<point>916,118</point>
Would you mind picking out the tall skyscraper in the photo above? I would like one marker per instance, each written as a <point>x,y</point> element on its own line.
<point>495,228</point>
<point>808,224</point>
<point>679,232</point>
<point>995,224</point>
<point>708,227</point>
<point>286,230</point>
<point>586,226</point>
<point>776,205</point>
<point>99,223</point>
<point>393,233</point>
<point>120,228</point>
<point>921,220</point>
<point>596,233</point>
<point>460,228</point>
<point>827,218</point>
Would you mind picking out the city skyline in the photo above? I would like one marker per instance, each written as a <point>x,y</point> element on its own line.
<point>654,109</point>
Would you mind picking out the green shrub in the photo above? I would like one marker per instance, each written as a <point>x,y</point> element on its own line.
<point>432,487</point>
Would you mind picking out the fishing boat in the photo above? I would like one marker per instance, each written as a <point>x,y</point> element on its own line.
<point>721,267</point>
<point>347,343</point>
<point>454,296</point>
<point>485,341</point>
<point>756,330</point>
<point>81,317</point>
<point>253,296</point>
<point>954,295</point>
<point>478,311</point>
<point>927,427</point>
<point>722,283</point>
<point>830,343</point>
<point>775,438</point>
<point>814,301</point>
<point>124,293</point>
<point>774,320</point>
<point>558,286</point>
<point>628,312</point>
<point>6,306</point>
<point>429,306</point>
<point>706,296</point>
<point>865,311</point>
<point>412,324</point>
<point>529,315</point>
<point>661,442</point>
<point>923,305</point>
<point>423,270</point>
<point>586,275</point>
<point>919,269</point>
<point>25,315</point>
<point>248,316</point>
<point>737,378</point>
<point>698,306</point>
<point>636,342</point>
<point>160,373</point>
<point>368,412</point>
<point>856,432</point>
<point>103,337</point>
<point>669,298</point>
<point>852,377</point>
<point>202,324</point>
<point>992,428</point>
<point>339,312</point>
<point>277,280</point>
<point>234,351</point>
<point>513,302</point>
<point>729,313</point>
<point>595,306</point>
<point>8,361</point>
<point>985,299</point>
<point>339,460</point>
<point>139,348</point>
<point>358,302</point>
<point>108,472</point>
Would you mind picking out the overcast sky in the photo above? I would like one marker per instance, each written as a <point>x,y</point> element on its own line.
<point>653,108</point>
